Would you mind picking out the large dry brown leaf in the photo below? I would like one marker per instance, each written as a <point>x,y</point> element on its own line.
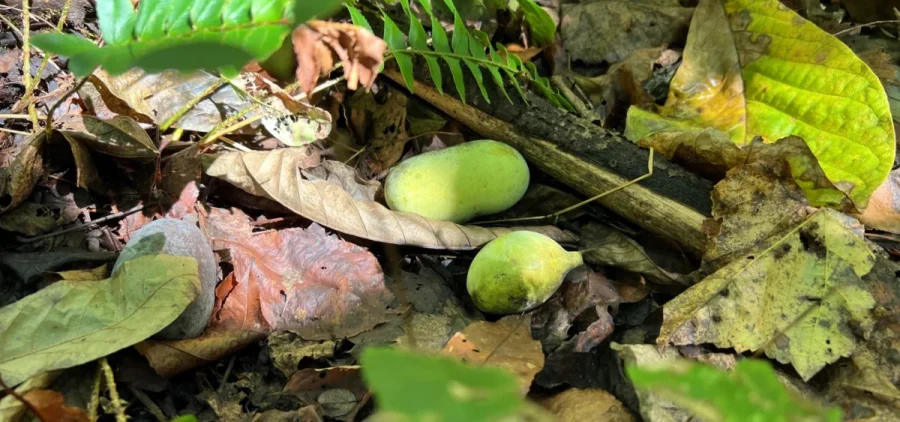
<point>17,181</point>
<point>318,43</point>
<point>275,175</point>
<point>883,212</point>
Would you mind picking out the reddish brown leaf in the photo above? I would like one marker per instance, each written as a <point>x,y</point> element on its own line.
<point>52,407</point>
<point>309,282</point>
<point>318,44</point>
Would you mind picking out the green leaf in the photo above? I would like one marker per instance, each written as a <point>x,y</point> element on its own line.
<point>55,41</point>
<point>765,293</point>
<point>749,393</point>
<point>358,18</point>
<point>73,322</point>
<point>756,68</point>
<point>305,10</point>
<point>185,34</point>
<point>423,387</point>
<point>543,29</point>
<point>394,39</point>
<point>418,39</point>
<point>116,19</point>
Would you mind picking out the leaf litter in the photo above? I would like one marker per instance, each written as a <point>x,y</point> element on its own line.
<point>281,170</point>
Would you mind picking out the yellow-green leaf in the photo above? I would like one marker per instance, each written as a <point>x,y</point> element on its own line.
<point>755,68</point>
<point>818,264</point>
<point>74,322</point>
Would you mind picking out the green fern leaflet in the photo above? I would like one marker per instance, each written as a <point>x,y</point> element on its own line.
<point>470,49</point>
<point>184,34</point>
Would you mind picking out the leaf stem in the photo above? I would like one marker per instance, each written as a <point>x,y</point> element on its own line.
<point>29,88</point>
<point>191,104</point>
<point>114,398</point>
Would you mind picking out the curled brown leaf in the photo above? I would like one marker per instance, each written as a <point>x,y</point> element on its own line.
<point>318,44</point>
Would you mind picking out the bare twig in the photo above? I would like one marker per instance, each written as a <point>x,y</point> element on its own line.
<point>18,132</point>
<point>114,398</point>
<point>148,403</point>
<point>85,225</point>
<point>26,59</point>
<point>94,404</point>
<point>190,104</point>
<point>49,121</point>
<point>18,397</point>
<point>855,27</point>
<point>29,88</point>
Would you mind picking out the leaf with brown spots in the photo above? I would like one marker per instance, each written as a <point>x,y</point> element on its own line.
<point>505,344</point>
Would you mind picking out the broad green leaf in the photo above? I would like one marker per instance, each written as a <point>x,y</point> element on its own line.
<point>116,19</point>
<point>73,322</point>
<point>394,39</point>
<point>817,264</point>
<point>755,68</point>
<point>543,29</point>
<point>750,392</point>
<point>184,34</point>
<point>422,387</point>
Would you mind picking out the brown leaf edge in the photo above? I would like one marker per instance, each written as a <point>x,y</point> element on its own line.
<point>275,175</point>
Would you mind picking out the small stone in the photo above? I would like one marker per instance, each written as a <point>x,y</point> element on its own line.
<point>170,236</point>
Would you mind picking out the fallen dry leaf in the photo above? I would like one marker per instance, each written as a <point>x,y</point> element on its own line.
<point>17,181</point>
<point>172,357</point>
<point>318,43</point>
<point>388,135</point>
<point>51,406</point>
<point>883,212</point>
<point>275,175</point>
<point>576,405</point>
<point>505,344</point>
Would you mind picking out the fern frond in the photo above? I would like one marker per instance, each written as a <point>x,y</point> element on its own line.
<point>470,48</point>
<point>184,34</point>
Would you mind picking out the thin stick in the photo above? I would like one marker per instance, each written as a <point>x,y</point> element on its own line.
<point>26,59</point>
<point>586,201</point>
<point>227,374</point>
<point>853,28</point>
<point>11,25</point>
<point>18,397</point>
<point>190,104</point>
<point>29,89</point>
<point>94,405</point>
<point>49,121</point>
<point>14,116</point>
<point>114,398</point>
<point>83,226</point>
<point>148,403</point>
<point>18,132</point>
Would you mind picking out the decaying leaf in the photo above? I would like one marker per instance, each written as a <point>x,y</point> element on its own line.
<point>172,357</point>
<point>624,27</point>
<point>51,406</point>
<point>755,68</point>
<point>575,405</point>
<point>160,95</point>
<point>318,43</point>
<point>73,322</point>
<point>275,175</point>
<point>505,344</point>
<point>30,219</point>
<point>120,136</point>
<point>389,135</point>
<point>17,181</point>
<point>85,170</point>
<point>604,245</point>
<point>299,280</point>
<point>818,264</point>
<point>11,409</point>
